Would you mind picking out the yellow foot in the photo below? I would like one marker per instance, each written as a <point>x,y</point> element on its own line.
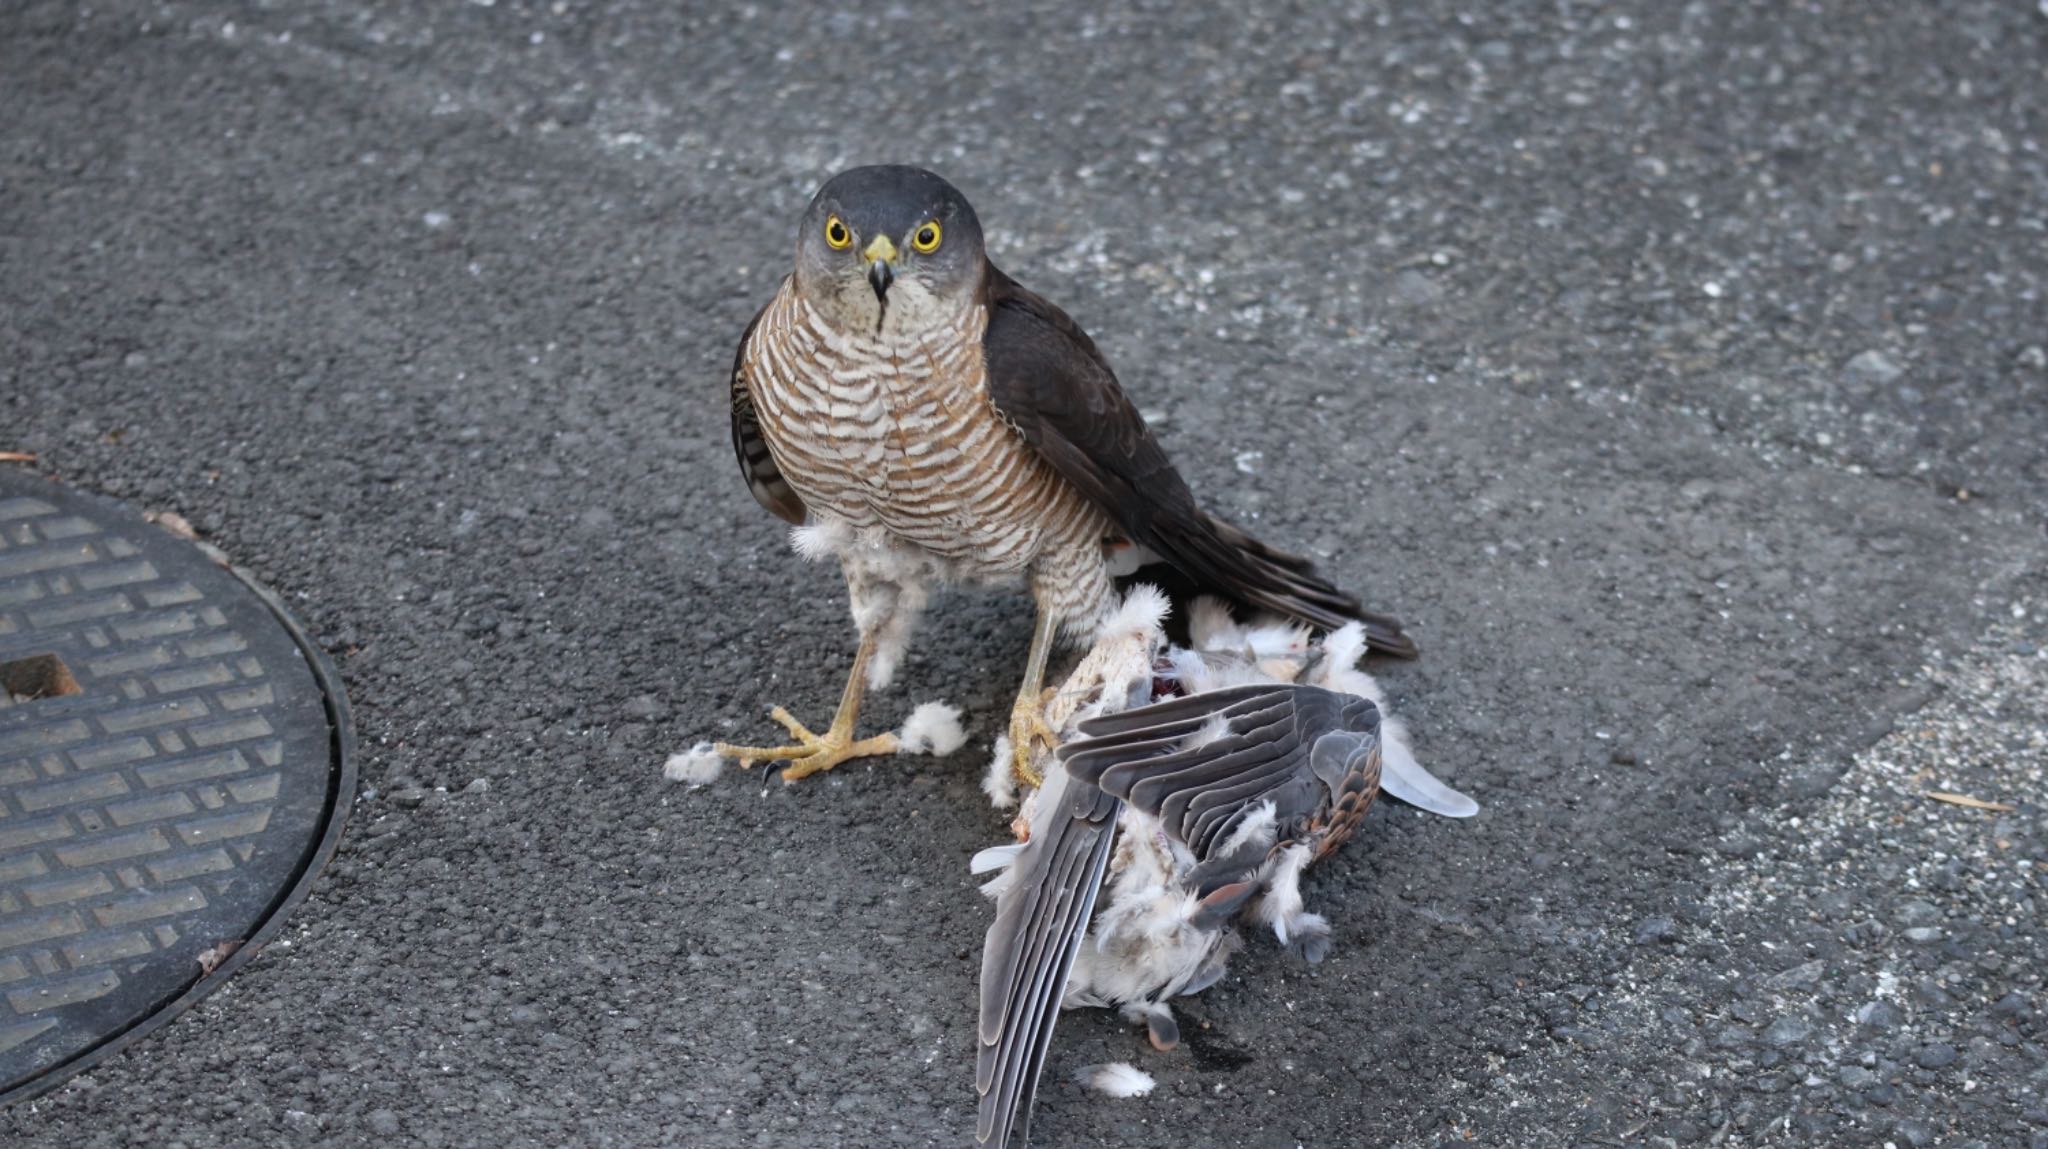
<point>812,752</point>
<point>1028,728</point>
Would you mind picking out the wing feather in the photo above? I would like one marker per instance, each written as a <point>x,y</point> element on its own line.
<point>1200,784</point>
<point>1049,381</point>
<point>1290,745</point>
<point>1041,913</point>
<point>757,463</point>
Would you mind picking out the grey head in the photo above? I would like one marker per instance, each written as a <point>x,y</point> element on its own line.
<point>890,249</point>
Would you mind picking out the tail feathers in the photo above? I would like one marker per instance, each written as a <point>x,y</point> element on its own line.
<point>1225,560</point>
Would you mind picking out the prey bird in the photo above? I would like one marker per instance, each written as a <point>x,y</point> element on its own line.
<point>923,418</point>
<point>1192,787</point>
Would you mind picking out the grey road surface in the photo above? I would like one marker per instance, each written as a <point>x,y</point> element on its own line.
<point>1676,370</point>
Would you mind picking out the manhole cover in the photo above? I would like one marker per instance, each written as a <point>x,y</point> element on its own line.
<point>173,772</point>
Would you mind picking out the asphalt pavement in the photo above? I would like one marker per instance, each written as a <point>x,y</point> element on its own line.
<point>1676,371</point>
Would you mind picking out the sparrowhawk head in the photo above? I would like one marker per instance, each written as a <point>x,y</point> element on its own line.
<point>889,245</point>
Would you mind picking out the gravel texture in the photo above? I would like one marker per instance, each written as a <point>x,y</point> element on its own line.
<point>1676,370</point>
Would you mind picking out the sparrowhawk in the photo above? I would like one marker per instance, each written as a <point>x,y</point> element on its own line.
<point>923,418</point>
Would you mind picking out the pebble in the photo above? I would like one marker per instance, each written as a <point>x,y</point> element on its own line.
<point>1798,976</point>
<point>1936,1056</point>
<point>644,708</point>
<point>1788,1030</point>
<point>1872,366</point>
<point>1657,929</point>
<point>1917,913</point>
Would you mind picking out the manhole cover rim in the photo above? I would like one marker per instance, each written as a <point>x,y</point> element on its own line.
<point>341,788</point>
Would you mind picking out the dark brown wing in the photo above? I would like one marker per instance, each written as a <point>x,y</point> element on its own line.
<point>757,466</point>
<point>1047,378</point>
<point>1041,914</point>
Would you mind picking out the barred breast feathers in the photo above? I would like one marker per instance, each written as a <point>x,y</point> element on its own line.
<point>897,433</point>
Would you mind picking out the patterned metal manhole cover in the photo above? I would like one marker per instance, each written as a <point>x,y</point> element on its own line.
<point>174,769</point>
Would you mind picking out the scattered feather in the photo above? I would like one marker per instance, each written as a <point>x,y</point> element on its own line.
<point>933,728</point>
<point>1257,831</point>
<point>995,858</point>
<point>173,522</point>
<point>1211,627</point>
<point>211,959</point>
<point>696,766</point>
<point>1216,727</point>
<point>1001,783</point>
<point>1144,610</point>
<point>1117,1079</point>
<point>1972,803</point>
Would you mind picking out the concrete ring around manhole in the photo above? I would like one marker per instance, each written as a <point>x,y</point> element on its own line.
<point>175,768</point>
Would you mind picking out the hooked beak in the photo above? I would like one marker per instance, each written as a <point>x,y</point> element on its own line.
<point>881,257</point>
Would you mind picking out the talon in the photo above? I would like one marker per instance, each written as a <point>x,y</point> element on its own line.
<point>1028,729</point>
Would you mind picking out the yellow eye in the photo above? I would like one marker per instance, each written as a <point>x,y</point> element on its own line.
<point>837,235</point>
<point>927,238</point>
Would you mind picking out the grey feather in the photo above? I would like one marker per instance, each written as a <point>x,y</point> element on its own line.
<point>1278,743</point>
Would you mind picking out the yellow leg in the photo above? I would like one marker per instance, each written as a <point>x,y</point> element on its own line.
<point>1027,718</point>
<point>812,752</point>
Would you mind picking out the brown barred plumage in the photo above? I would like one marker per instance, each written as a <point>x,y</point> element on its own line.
<point>899,434</point>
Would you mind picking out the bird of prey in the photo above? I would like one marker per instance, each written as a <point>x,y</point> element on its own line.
<point>922,417</point>
<point>1193,788</point>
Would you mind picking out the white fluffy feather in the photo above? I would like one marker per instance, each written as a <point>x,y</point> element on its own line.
<point>1144,610</point>
<point>820,539</point>
<point>1000,784</point>
<point>698,765</point>
<point>1280,905</point>
<point>1257,831</point>
<point>1117,1079</point>
<point>933,728</point>
<point>1216,726</point>
<point>1210,626</point>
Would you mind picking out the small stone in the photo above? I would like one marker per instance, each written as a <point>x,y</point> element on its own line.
<point>1916,913</point>
<point>1415,289</point>
<point>478,786</point>
<point>1788,1030</point>
<point>1872,366</point>
<point>1798,976</point>
<point>1657,929</point>
<point>1923,935</point>
<point>2034,357</point>
<point>1857,1077</point>
<point>2012,1006</point>
<point>644,708</point>
<point>1875,1014</point>
<point>383,1122</point>
<point>1936,1056</point>
<point>408,797</point>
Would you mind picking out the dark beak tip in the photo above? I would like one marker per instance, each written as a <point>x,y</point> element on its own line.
<point>880,276</point>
